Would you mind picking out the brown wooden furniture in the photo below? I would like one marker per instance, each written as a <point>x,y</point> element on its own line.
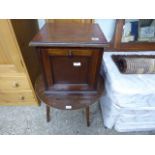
<point>69,21</point>
<point>17,70</point>
<point>71,55</point>
<point>63,100</point>
<point>130,46</point>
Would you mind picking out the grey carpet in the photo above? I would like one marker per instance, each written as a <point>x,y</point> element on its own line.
<point>32,121</point>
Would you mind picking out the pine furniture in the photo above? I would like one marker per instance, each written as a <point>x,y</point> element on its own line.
<point>17,70</point>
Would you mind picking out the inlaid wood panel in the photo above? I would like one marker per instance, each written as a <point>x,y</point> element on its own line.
<point>69,52</point>
<point>69,21</point>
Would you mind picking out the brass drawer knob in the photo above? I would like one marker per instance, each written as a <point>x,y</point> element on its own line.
<point>16,85</point>
<point>22,98</point>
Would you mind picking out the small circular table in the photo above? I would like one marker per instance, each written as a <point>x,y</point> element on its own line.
<point>68,101</point>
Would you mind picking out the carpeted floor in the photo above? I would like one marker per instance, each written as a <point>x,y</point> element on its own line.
<point>32,121</point>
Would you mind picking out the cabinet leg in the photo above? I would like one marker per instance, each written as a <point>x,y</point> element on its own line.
<point>87,116</point>
<point>48,113</point>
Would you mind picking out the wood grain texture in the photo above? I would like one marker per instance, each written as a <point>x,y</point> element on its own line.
<point>59,71</point>
<point>14,83</point>
<point>69,52</point>
<point>24,30</point>
<point>69,21</point>
<point>76,101</point>
<point>14,78</point>
<point>63,45</point>
<point>17,98</point>
<point>8,69</point>
<point>69,35</point>
<point>46,68</point>
<point>9,49</point>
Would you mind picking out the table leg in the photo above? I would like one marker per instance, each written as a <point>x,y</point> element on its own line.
<point>87,116</point>
<point>48,113</point>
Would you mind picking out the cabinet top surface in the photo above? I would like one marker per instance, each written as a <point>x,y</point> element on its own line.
<point>69,35</point>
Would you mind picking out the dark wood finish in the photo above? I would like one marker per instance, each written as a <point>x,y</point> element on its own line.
<point>69,21</point>
<point>69,35</point>
<point>118,33</point>
<point>70,57</point>
<point>131,46</point>
<point>24,30</point>
<point>48,118</point>
<point>59,69</point>
<point>70,74</point>
<point>88,116</point>
<point>75,100</point>
<point>70,52</point>
<point>62,100</point>
<point>46,68</point>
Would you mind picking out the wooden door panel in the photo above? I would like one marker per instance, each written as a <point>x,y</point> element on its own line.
<point>64,72</point>
<point>9,50</point>
<point>70,70</point>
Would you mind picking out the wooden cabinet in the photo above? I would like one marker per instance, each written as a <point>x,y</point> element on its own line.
<point>71,55</point>
<point>71,68</point>
<point>16,87</point>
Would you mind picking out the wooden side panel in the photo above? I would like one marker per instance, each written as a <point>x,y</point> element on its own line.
<point>25,29</point>
<point>46,68</point>
<point>95,67</point>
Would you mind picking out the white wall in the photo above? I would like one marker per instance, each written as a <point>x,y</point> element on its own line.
<point>41,22</point>
<point>107,26</point>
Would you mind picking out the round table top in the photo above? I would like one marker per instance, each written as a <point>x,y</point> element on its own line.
<point>68,101</point>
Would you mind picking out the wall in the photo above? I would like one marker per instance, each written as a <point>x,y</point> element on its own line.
<point>41,22</point>
<point>107,26</point>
